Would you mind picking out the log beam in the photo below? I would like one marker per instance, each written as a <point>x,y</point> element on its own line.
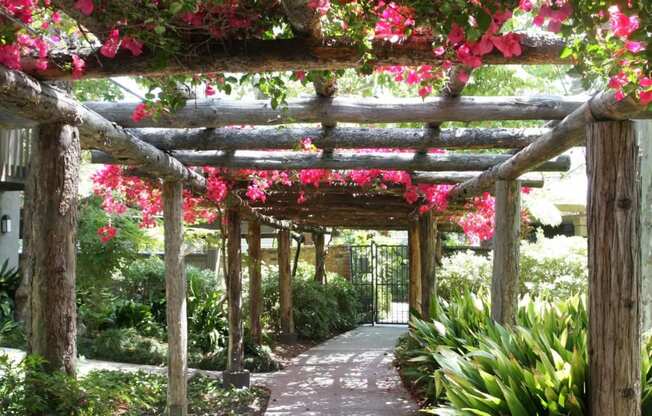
<point>284,160</point>
<point>255,282</point>
<point>320,258</point>
<point>644,133</point>
<point>414,253</point>
<point>265,138</point>
<point>288,335</point>
<point>253,55</point>
<point>49,262</point>
<point>614,227</point>
<point>212,113</point>
<point>235,374</point>
<point>507,239</point>
<point>427,245</point>
<point>26,97</point>
<point>531,180</point>
<point>565,135</point>
<point>175,296</point>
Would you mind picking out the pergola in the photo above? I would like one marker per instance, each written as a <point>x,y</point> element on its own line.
<point>166,148</point>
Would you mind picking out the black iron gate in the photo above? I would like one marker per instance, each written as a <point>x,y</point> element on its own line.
<point>380,273</point>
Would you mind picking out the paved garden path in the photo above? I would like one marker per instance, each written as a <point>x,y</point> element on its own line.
<point>349,375</point>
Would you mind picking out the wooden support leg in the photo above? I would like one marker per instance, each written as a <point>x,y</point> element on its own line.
<point>255,281</point>
<point>235,374</point>
<point>320,258</point>
<point>415,267</point>
<point>50,246</point>
<point>428,243</point>
<point>504,283</point>
<point>285,287</point>
<point>614,270</point>
<point>175,295</point>
<point>644,132</point>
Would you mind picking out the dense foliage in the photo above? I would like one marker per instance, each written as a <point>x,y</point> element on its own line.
<point>463,360</point>
<point>107,393</point>
<point>548,266</point>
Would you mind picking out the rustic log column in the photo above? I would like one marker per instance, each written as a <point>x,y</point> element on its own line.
<point>504,282</point>
<point>50,246</point>
<point>644,131</point>
<point>415,267</point>
<point>614,229</point>
<point>285,287</point>
<point>255,281</point>
<point>175,295</point>
<point>320,257</point>
<point>235,375</point>
<point>427,244</point>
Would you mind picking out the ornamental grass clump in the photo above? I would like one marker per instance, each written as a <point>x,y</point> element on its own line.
<point>468,365</point>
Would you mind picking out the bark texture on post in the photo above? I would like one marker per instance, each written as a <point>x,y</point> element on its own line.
<point>428,243</point>
<point>255,281</point>
<point>414,250</point>
<point>50,249</point>
<point>285,286</point>
<point>504,282</point>
<point>175,295</point>
<point>614,270</point>
<point>320,257</point>
<point>644,131</point>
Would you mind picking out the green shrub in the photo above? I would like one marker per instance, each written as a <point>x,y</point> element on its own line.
<point>549,266</point>
<point>124,345</point>
<point>320,311</point>
<point>108,393</point>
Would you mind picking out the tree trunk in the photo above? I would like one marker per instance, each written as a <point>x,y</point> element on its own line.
<point>255,281</point>
<point>320,257</point>
<point>614,270</point>
<point>644,130</point>
<point>415,289</point>
<point>504,283</point>
<point>428,236</point>
<point>285,287</point>
<point>175,296</point>
<point>50,246</point>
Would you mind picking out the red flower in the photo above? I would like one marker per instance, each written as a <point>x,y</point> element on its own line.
<point>133,45</point>
<point>141,111</point>
<point>85,6</point>
<point>106,233</point>
<point>621,24</point>
<point>110,46</point>
<point>645,97</point>
<point>78,66</point>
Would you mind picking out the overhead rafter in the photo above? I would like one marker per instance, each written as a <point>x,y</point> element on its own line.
<point>531,180</point>
<point>336,138</point>
<point>568,133</point>
<point>255,55</point>
<point>223,112</point>
<point>33,100</point>
<point>285,160</point>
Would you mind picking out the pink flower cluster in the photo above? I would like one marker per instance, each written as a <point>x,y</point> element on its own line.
<point>394,21</point>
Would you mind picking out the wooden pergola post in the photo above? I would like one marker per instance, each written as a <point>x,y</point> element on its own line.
<point>505,278</point>
<point>614,269</point>
<point>235,375</point>
<point>428,243</point>
<point>285,287</point>
<point>255,281</point>
<point>50,248</point>
<point>320,257</point>
<point>415,289</point>
<point>175,296</point>
<point>644,131</point>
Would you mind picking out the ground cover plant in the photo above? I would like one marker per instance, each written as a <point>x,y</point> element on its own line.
<point>463,363</point>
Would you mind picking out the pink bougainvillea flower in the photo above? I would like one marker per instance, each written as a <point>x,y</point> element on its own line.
<point>620,95</point>
<point>302,198</point>
<point>463,77</point>
<point>509,45</point>
<point>209,90</point>
<point>618,81</point>
<point>525,5</point>
<point>111,44</point>
<point>106,233</point>
<point>141,112</point>
<point>85,6</point>
<point>425,91</point>
<point>78,66</point>
<point>634,46</point>
<point>133,45</point>
<point>621,24</point>
<point>10,56</point>
<point>456,34</point>
<point>645,97</point>
<point>321,6</point>
<point>645,82</point>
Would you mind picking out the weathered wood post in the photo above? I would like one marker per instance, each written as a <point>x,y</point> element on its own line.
<point>504,282</point>
<point>644,132</point>
<point>255,281</point>
<point>414,250</point>
<point>320,257</point>
<point>50,249</point>
<point>235,375</point>
<point>285,287</point>
<point>175,296</point>
<point>614,269</point>
<point>428,243</point>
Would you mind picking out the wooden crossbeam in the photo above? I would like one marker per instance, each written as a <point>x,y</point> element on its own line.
<point>565,135</point>
<point>336,138</point>
<point>254,55</point>
<point>226,112</point>
<point>531,180</point>
<point>26,97</point>
<point>262,160</point>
